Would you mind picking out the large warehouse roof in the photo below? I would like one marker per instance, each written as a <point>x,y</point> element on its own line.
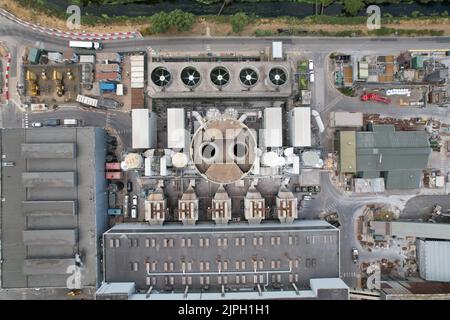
<point>44,225</point>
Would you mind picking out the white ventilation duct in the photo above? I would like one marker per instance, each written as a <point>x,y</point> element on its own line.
<point>319,121</point>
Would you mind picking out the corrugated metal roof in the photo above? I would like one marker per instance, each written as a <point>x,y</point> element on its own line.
<point>384,149</point>
<point>421,230</point>
<point>403,179</point>
<point>434,260</point>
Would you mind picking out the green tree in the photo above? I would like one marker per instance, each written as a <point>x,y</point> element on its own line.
<point>239,21</point>
<point>353,6</point>
<point>182,21</point>
<point>160,22</point>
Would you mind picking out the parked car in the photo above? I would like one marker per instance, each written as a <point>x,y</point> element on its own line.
<point>134,212</point>
<point>135,200</point>
<point>355,255</point>
<point>311,77</point>
<point>129,186</point>
<point>36,124</point>
<point>307,197</point>
<point>311,65</point>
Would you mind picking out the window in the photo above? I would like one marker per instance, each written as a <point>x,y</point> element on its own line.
<point>168,243</point>
<point>225,279</point>
<point>183,242</point>
<point>153,243</point>
<point>189,266</point>
<point>219,242</point>
<point>134,266</point>
<point>243,264</point>
<point>207,266</point>
<point>225,265</point>
<point>147,243</point>
<point>189,242</point>
<point>243,279</point>
<point>186,280</point>
<point>261,241</point>
<point>147,281</point>
<point>255,241</point>
<point>201,242</point>
<point>134,243</point>
<point>261,264</point>
<point>237,264</point>
<point>111,243</point>
<point>117,243</point>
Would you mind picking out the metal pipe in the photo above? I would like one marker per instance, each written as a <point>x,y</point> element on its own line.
<point>148,292</point>
<point>198,117</point>
<point>242,117</point>
<point>217,273</point>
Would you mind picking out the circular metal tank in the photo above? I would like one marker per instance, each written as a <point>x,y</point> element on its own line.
<point>223,150</point>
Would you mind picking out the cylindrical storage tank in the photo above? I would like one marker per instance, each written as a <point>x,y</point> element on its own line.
<point>270,159</point>
<point>132,161</point>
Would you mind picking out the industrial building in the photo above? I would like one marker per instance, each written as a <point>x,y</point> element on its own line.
<point>223,77</point>
<point>235,260</point>
<point>54,206</point>
<point>423,230</point>
<point>144,129</point>
<point>382,152</point>
<point>434,260</point>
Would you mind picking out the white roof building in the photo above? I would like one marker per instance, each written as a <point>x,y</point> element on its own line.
<point>300,127</point>
<point>143,129</point>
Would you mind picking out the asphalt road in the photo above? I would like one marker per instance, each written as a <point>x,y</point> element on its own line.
<point>120,121</point>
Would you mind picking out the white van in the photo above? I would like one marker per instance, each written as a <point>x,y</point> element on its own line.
<point>134,212</point>
<point>311,77</point>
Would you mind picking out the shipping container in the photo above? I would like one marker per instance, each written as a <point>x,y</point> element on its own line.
<point>87,100</point>
<point>84,58</point>
<point>111,67</point>
<point>115,76</point>
<point>119,90</point>
<point>114,175</point>
<point>70,122</point>
<point>107,86</point>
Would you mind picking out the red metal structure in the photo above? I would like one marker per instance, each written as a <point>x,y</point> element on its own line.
<point>374,97</point>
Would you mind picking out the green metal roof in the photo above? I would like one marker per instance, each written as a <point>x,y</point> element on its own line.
<point>399,157</point>
<point>403,179</point>
<point>384,149</point>
<point>347,151</point>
